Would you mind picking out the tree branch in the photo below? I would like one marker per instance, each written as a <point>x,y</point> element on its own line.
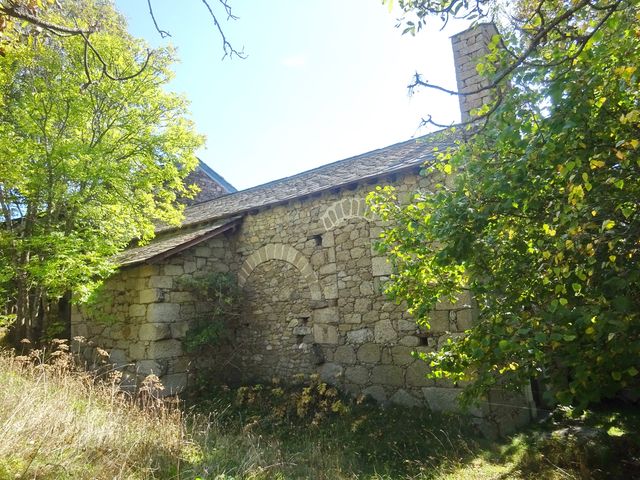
<point>163,33</point>
<point>226,45</point>
<point>14,11</point>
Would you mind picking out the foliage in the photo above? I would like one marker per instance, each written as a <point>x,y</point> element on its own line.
<point>23,20</point>
<point>539,217</point>
<point>309,400</point>
<point>86,169</point>
<point>221,296</point>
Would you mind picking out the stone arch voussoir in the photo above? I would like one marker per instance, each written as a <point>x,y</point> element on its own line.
<point>285,253</point>
<point>342,210</point>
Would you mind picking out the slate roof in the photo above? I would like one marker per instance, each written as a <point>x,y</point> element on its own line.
<point>211,218</point>
<point>216,177</point>
<point>173,242</point>
<point>377,163</point>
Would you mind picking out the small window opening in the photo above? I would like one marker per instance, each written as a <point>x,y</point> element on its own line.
<point>318,240</point>
<point>424,341</point>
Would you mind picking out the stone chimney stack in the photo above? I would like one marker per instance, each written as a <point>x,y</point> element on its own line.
<point>468,47</point>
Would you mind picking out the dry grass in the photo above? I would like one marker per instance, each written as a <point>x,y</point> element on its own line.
<point>59,422</point>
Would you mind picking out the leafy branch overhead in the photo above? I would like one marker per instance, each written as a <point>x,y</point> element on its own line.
<point>88,169</point>
<point>21,19</point>
<point>538,213</point>
<point>541,33</point>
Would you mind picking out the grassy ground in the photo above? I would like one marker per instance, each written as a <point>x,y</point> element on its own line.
<point>59,423</point>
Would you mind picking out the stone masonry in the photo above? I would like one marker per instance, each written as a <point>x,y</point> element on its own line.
<point>468,47</point>
<point>311,283</point>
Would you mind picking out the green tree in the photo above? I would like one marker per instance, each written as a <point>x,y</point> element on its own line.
<point>86,166</point>
<point>540,213</point>
<point>21,20</point>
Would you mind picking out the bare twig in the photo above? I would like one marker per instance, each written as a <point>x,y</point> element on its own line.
<point>163,33</point>
<point>228,49</point>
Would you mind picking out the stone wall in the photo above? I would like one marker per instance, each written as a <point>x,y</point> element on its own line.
<point>143,314</point>
<point>312,302</point>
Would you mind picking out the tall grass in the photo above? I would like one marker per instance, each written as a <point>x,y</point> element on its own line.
<point>60,422</point>
<point>57,421</point>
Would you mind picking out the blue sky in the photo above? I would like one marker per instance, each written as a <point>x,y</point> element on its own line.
<point>323,80</point>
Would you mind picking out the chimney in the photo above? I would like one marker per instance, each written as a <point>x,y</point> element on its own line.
<point>468,47</point>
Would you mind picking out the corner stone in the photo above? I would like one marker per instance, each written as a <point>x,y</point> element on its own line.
<point>154,331</point>
<point>163,312</point>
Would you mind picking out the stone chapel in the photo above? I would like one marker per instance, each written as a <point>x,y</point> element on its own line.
<point>301,249</point>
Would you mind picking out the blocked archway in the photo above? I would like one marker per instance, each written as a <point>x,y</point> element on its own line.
<point>285,253</point>
<point>343,210</point>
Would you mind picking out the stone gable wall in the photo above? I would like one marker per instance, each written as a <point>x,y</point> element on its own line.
<point>313,302</point>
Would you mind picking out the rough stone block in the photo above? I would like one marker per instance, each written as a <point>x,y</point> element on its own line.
<point>331,292</point>
<point>380,267</point>
<point>387,375</point>
<point>165,349</point>
<point>163,312</point>
<point>442,399</point>
<point>325,334</point>
<point>402,355</point>
<point>150,367</point>
<point>384,332</point>
<point>154,331</point>
<point>362,335</point>
<point>179,329</point>
<point>302,330</point>
<point>161,281</point>
<point>358,375</point>
<point>417,375</point>
<point>173,270</point>
<point>327,269</point>
<point>137,310</point>
<point>369,353</point>
<point>137,350</point>
<point>150,295</point>
<point>118,357</point>
<point>362,305</point>
<point>331,373</point>
<point>353,318</point>
<point>401,397</point>
<point>366,288</point>
<point>148,270</point>
<point>180,297</point>
<point>328,240</point>
<point>376,392</point>
<point>439,321</point>
<point>465,319</point>
<point>325,315</point>
<point>407,326</point>
<point>345,355</point>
